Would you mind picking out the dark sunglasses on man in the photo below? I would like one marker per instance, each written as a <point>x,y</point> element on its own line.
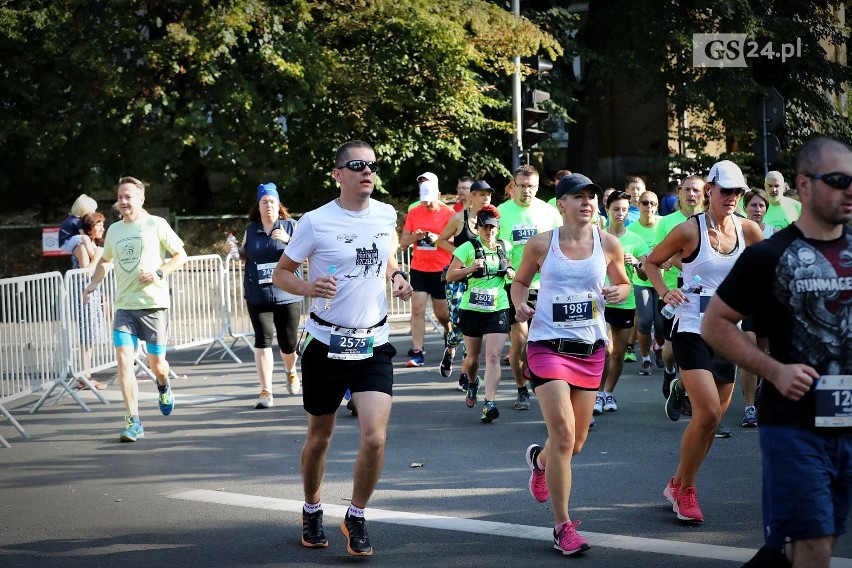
<point>731,190</point>
<point>837,180</point>
<point>359,165</point>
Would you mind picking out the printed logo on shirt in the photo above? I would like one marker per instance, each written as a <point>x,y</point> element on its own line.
<point>367,263</point>
<point>347,238</point>
<point>128,253</point>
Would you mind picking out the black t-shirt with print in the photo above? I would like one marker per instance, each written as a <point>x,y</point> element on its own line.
<point>799,292</point>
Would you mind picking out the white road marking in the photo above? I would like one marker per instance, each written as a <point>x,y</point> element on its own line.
<point>545,534</point>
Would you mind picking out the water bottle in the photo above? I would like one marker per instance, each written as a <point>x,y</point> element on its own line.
<point>332,270</point>
<point>234,252</point>
<point>668,310</point>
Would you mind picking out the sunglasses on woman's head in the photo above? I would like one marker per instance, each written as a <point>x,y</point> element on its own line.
<point>837,180</point>
<point>359,165</point>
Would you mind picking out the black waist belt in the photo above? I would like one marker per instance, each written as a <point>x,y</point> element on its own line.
<point>571,347</point>
<point>325,323</point>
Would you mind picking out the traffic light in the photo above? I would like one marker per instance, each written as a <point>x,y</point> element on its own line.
<point>532,114</point>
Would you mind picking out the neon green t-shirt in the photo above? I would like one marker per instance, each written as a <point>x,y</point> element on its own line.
<point>648,236</point>
<point>519,224</point>
<point>140,246</point>
<point>635,245</point>
<point>486,294</point>
<point>664,227</point>
<point>781,215</point>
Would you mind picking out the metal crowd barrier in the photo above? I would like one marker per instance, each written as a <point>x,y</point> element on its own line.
<point>49,339</point>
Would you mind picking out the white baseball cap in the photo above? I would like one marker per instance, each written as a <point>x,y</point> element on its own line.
<point>428,175</point>
<point>728,175</point>
<point>429,190</point>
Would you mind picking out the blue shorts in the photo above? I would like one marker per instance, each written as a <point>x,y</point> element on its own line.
<point>807,484</point>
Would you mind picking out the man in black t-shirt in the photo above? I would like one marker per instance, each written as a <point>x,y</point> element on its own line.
<point>804,307</point>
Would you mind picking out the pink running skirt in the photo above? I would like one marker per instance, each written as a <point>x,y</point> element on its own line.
<point>576,371</point>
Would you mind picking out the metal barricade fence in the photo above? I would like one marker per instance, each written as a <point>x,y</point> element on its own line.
<point>49,339</point>
<point>32,353</point>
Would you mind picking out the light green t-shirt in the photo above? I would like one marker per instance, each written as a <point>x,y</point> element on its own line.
<point>664,227</point>
<point>635,245</point>
<point>781,215</point>
<point>519,224</point>
<point>648,236</point>
<point>140,246</point>
<point>487,294</point>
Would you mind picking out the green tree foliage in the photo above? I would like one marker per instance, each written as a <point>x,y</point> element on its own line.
<point>193,94</point>
<point>647,48</point>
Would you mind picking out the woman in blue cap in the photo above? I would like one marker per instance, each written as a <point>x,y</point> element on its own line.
<point>270,308</point>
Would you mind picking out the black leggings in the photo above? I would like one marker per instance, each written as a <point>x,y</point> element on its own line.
<point>282,319</point>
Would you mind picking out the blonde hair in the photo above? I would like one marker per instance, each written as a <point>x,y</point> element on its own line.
<point>84,205</point>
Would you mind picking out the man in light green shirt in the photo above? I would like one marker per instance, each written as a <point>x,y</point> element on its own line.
<point>781,210</point>
<point>521,218</point>
<point>138,245</point>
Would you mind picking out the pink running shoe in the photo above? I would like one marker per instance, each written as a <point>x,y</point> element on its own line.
<point>687,505</point>
<point>538,482</point>
<point>670,493</point>
<point>568,540</point>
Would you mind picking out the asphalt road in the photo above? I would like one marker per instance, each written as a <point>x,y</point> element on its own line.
<point>217,483</point>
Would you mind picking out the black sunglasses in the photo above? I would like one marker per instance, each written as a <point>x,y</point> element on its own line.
<point>647,203</point>
<point>359,165</point>
<point>836,180</point>
<point>731,190</point>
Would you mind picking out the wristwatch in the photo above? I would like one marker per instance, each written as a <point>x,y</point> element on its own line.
<point>400,272</point>
<point>159,274</point>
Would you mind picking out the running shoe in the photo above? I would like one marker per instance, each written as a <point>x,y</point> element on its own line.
<point>538,482</point>
<point>166,400</point>
<point>687,505</point>
<point>629,355</point>
<point>133,431</point>
<point>750,417</point>
<point>599,402</point>
<point>489,411</point>
<point>673,402</point>
<point>592,423</point>
<point>667,382</point>
<point>685,406</point>
<point>670,493</point>
<point>472,389</point>
<point>658,358</point>
<point>722,432</point>
<point>463,382</point>
<point>447,362</point>
<point>265,400</point>
<point>350,406</point>
<point>417,358</point>
<point>567,540</point>
<point>610,405</point>
<point>646,367</point>
<point>312,534</point>
<point>357,541</point>
<point>294,385</point>
<point>523,401</point>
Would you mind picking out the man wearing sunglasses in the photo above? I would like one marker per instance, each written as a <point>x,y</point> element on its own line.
<point>346,343</point>
<point>781,210</point>
<point>804,274</point>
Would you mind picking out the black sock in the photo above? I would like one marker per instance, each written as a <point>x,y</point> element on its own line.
<point>523,389</point>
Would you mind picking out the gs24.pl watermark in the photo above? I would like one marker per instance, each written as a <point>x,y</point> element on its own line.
<point>732,50</point>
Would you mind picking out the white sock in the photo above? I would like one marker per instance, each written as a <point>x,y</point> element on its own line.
<point>312,507</point>
<point>355,511</point>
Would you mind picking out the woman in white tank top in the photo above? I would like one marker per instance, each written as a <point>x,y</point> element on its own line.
<point>567,339</point>
<point>708,244</point>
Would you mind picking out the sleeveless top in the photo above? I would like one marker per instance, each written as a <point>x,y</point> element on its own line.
<point>466,235</point>
<point>262,254</point>
<point>712,266</point>
<point>570,302</point>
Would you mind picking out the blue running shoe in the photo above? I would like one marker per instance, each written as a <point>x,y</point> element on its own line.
<point>472,390</point>
<point>489,411</point>
<point>166,400</point>
<point>133,432</point>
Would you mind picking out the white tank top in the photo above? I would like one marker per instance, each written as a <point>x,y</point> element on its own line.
<point>712,266</point>
<point>570,300</point>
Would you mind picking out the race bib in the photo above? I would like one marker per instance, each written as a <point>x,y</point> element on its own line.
<point>425,245</point>
<point>833,401</point>
<point>579,310</point>
<point>264,272</point>
<point>522,233</point>
<point>350,344</point>
<point>483,298</point>
<point>704,301</point>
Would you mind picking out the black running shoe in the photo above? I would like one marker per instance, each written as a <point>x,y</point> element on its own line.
<point>357,541</point>
<point>312,534</point>
<point>447,362</point>
<point>667,382</point>
<point>673,402</point>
